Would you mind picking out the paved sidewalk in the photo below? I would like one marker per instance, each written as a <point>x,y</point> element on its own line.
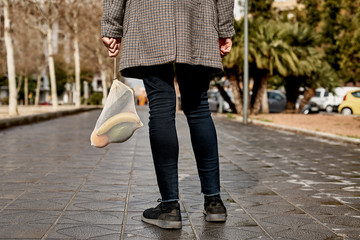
<point>276,184</point>
<point>33,114</point>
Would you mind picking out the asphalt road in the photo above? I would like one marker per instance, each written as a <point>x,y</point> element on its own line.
<point>275,184</point>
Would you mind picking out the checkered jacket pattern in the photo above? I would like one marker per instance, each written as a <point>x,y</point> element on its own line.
<point>161,31</point>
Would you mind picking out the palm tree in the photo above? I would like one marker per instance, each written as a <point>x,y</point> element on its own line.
<point>233,65</point>
<point>312,69</point>
<point>303,41</point>
<point>281,50</point>
<point>269,55</point>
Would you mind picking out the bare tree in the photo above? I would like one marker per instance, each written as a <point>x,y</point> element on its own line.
<point>72,13</point>
<point>93,44</point>
<point>42,15</point>
<point>29,52</point>
<point>10,59</point>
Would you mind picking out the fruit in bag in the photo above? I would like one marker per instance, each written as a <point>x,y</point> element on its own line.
<point>116,129</point>
<point>118,119</point>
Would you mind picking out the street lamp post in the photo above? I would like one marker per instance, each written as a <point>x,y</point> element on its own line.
<point>246,63</point>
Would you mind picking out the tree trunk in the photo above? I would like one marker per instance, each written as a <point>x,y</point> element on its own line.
<point>259,95</point>
<point>103,75</point>
<point>226,98</point>
<point>292,85</point>
<point>264,100</point>
<point>77,66</point>
<point>26,90</point>
<point>13,111</point>
<point>308,94</point>
<point>54,98</point>
<point>18,87</point>
<point>235,87</point>
<point>37,94</point>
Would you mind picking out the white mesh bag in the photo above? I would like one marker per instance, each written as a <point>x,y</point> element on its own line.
<point>118,119</point>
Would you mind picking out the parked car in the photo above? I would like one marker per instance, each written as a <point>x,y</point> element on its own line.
<point>217,103</point>
<point>351,103</point>
<point>329,101</point>
<point>311,107</point>
<point>276,100</point>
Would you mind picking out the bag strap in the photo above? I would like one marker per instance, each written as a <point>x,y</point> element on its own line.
<point>115,77</point>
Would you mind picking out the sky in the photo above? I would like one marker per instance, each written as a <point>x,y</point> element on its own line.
<point>237,12</point>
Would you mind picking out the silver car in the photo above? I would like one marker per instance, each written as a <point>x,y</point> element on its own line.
<point>276,100</point>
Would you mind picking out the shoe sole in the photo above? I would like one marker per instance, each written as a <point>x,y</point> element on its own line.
<point>162,223</point>
<point>215,217</point>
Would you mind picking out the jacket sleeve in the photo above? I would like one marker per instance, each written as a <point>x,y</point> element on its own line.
<point>112,18</point>
<point>225,10</point>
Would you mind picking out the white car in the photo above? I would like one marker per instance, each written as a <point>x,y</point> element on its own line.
<point>329,101</point>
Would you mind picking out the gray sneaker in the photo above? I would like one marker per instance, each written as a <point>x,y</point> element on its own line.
<point>165,215</point>
<point>214,209</point>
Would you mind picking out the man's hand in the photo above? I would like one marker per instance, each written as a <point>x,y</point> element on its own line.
<point>113,45</point>
<point>225,45</point>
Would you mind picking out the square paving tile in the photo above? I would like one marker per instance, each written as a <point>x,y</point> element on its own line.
<point>55,187</point>
<point>42,201</point>
<point>93,187</point>
<point>233,233</point>
<point>85,231</point>
<point>91,217</point>
<point>28,217</point>
<point>83,204</point>
<point>303,234</point>
<point>101,196</point>
<point>152,232</point>
<point>23,231</point>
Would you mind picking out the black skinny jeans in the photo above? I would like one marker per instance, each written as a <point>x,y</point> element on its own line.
<point>193,83</point>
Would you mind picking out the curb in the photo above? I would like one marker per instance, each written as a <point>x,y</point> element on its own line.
<point>323,135</point>
<point>29,119</point>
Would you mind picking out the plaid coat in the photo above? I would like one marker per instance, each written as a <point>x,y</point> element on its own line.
<point>162,31</point>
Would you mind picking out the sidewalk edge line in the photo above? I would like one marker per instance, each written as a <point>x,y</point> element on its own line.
<point>126,207</point>
<point>35,118</point>
<point>323,135</point>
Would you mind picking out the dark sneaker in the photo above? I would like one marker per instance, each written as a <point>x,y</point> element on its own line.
<point>164,215</point>
<point>214,209</point>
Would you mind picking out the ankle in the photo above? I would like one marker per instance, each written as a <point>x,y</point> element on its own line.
<point>212,196</point>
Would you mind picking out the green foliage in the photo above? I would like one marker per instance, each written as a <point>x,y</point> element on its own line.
<point>62,77</point>
<point>261,8</point>
<point>330,30</point>
<point>319,47</point>
<point>230,116</point>
<point>348,43</point>
<point>331,22</point>
<point>268,50</point>
<point>275,82</point>
<point>95,98</point>
<point>324,76</point>
<point>312,13</point>
<point>87,76</point>
<point>235,58</point>
<point>4,101</point>
<point>4,81</point>
<point>31,87</point>
<point>284,53</point>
